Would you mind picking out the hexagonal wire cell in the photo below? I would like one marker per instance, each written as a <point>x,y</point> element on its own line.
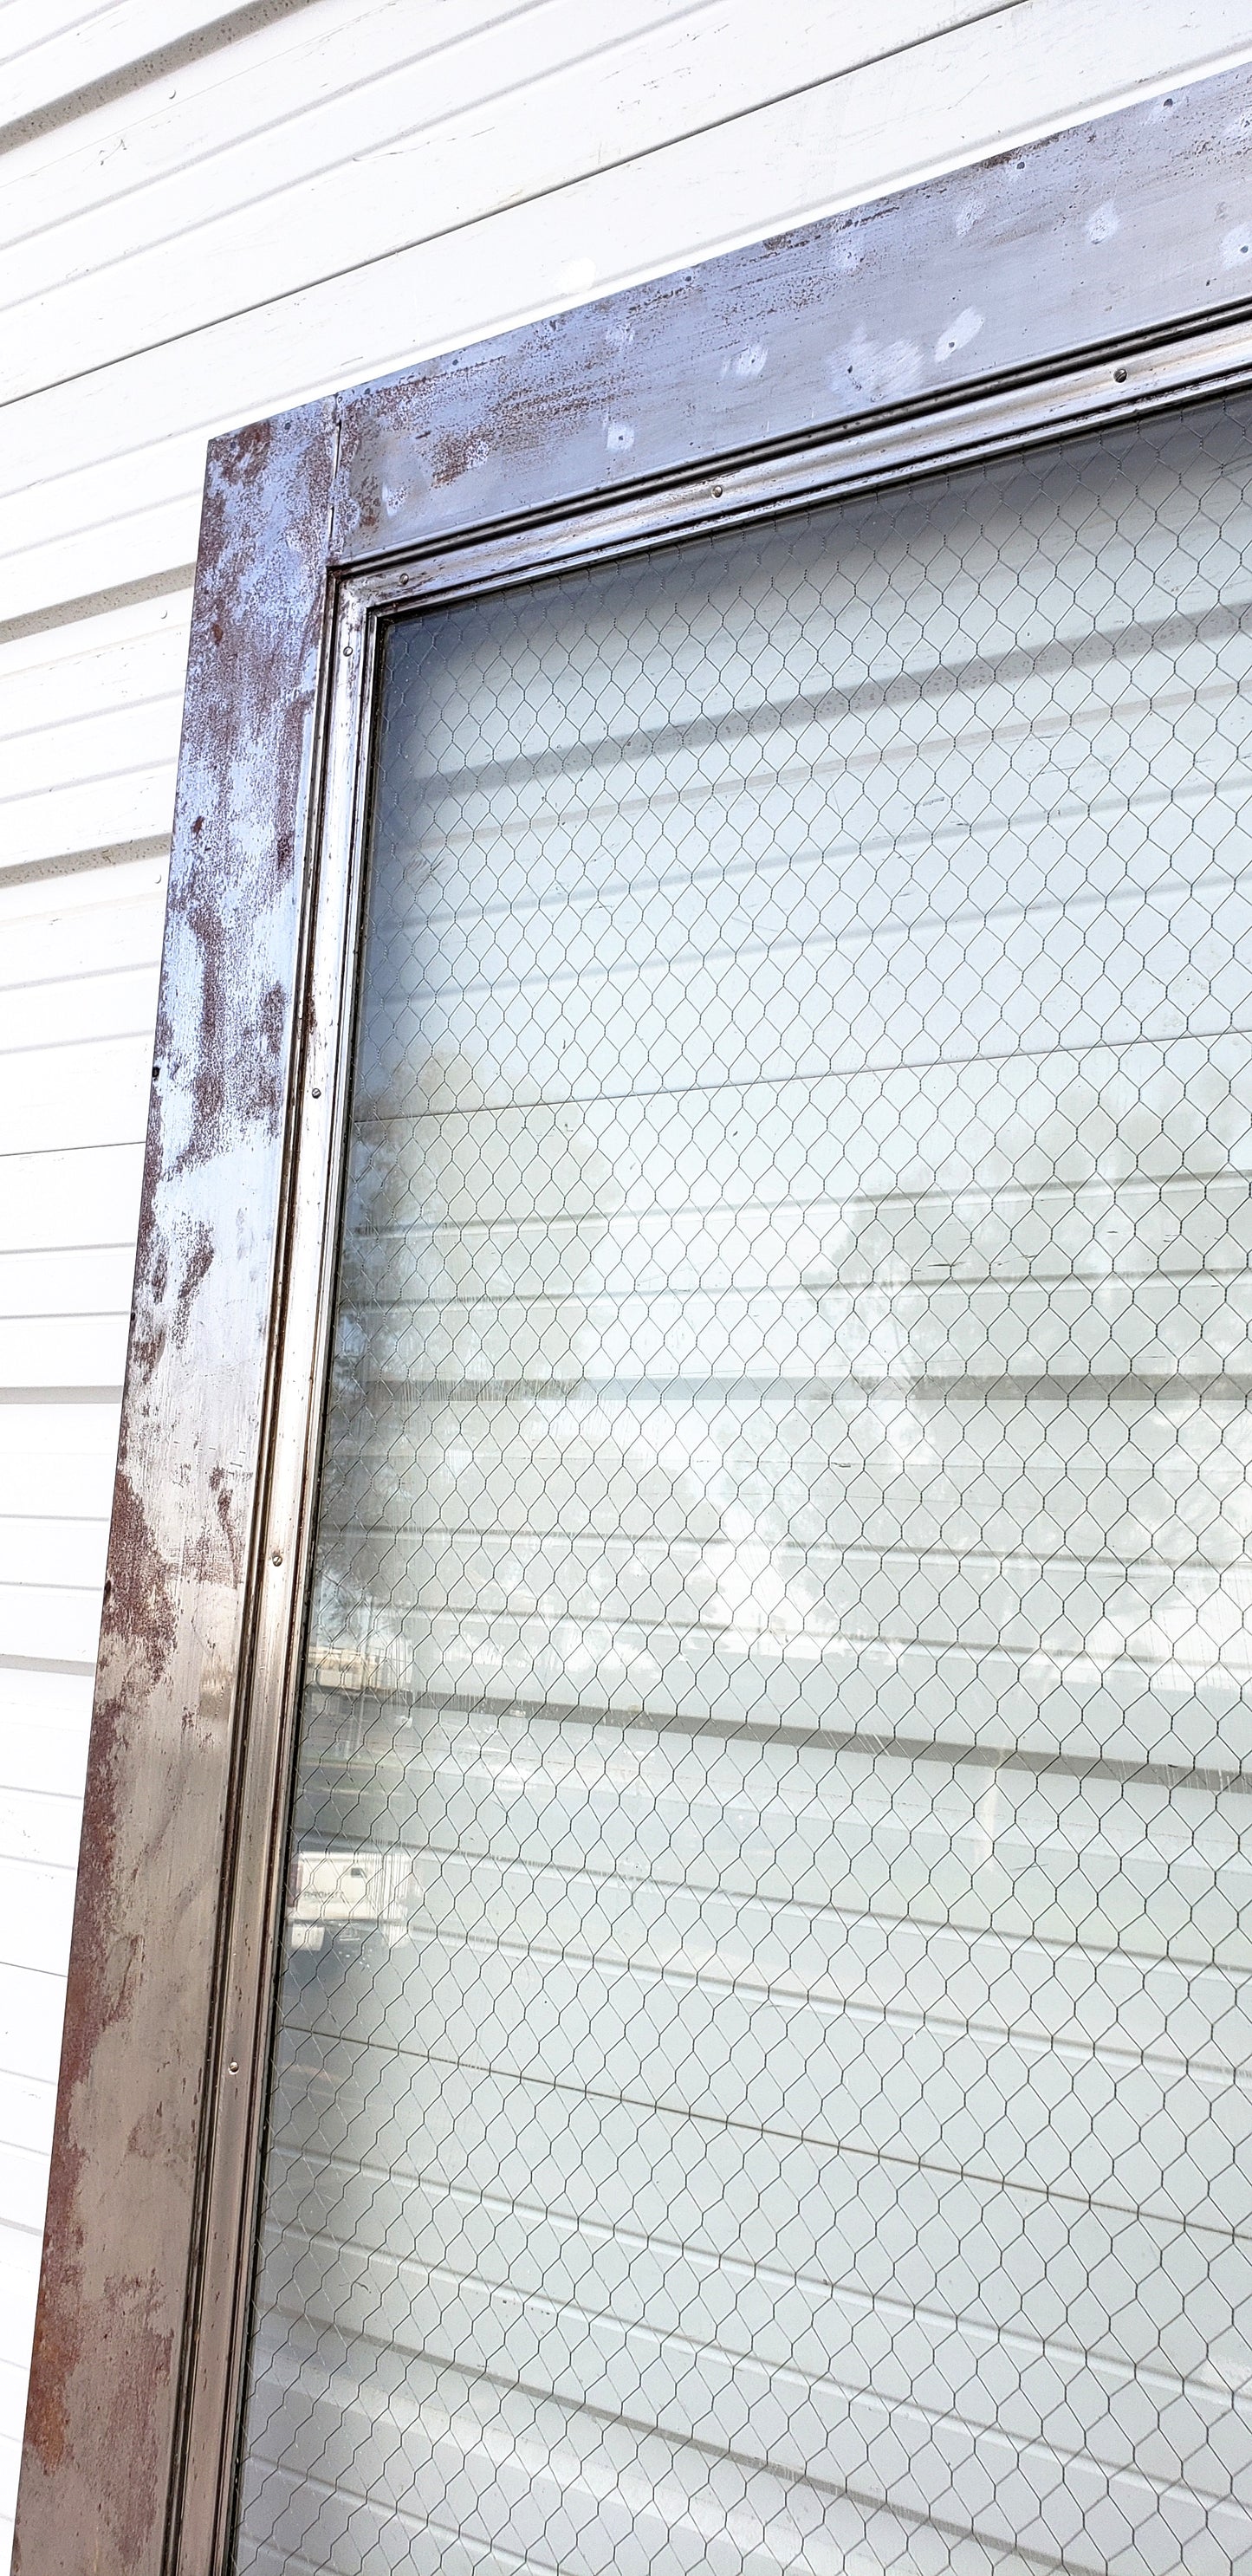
<point>760,2079</point>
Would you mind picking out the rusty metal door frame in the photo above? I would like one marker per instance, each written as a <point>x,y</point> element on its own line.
<point>1077,281</point>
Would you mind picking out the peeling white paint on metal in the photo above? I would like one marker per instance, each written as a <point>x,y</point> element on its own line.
<point>876,369</point>
<point>958,334</point>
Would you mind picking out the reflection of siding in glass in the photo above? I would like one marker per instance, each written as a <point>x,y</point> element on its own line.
<point>762,2070</point>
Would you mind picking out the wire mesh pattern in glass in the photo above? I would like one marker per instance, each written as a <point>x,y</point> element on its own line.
<point>761,2074</point>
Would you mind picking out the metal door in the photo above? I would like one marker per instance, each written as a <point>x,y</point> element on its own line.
<point>761,2069</point>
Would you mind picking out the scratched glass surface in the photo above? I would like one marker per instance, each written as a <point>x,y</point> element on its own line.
<point>761,2071</point>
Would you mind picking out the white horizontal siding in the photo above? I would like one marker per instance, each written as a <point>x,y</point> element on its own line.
<point>318,191</point>
<point>58,49</point>
<point>120,464</point>
<point>89,716</point>
<point>428,137</point>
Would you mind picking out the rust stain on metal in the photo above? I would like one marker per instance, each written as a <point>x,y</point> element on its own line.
<point>132,2355</point>
<point>233,1059</point>
<point>56,2342</point>
<point>139,1617</point>
<point>456,453</point>
<point>230,1048</point>
<point>141,1614</point>
<point>216,1553</point>
<point>197,1264</point>
<point>223,1494</point>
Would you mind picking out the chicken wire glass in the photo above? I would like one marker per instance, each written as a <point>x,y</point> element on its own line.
<point>761,2065</point>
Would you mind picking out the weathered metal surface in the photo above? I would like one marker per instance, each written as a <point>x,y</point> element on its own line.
<point>1122,232</point>
<point>230,2169</point>
<point>100,2424</point>
<point>1105,236</point>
